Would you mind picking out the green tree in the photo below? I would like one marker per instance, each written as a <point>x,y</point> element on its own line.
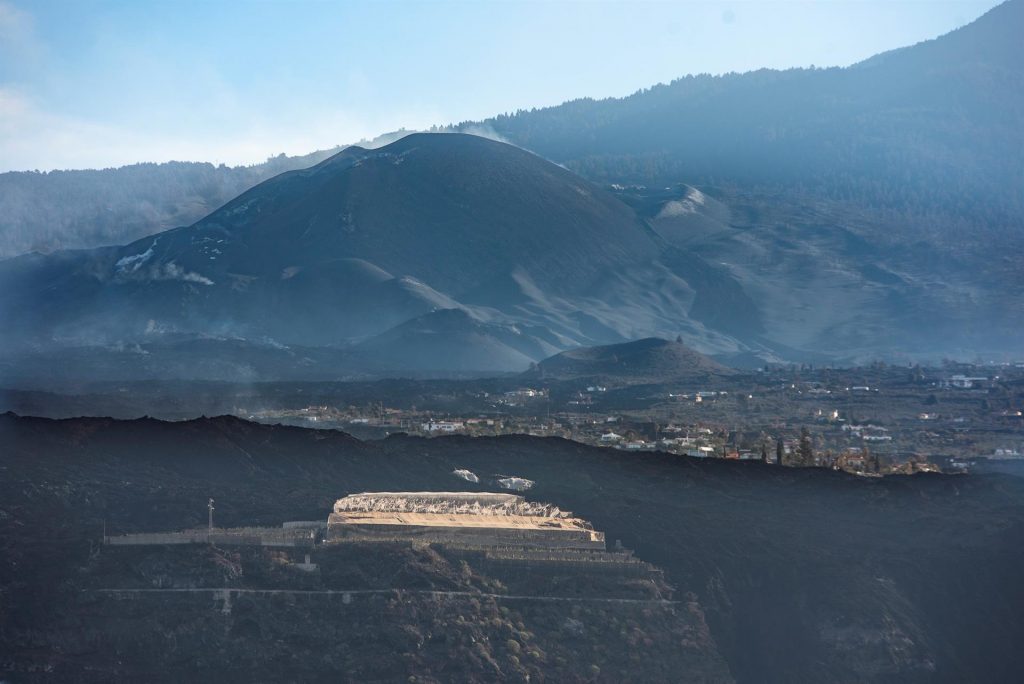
<point>805,452</point>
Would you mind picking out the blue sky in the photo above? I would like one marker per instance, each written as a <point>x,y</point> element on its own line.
<point>93,84</point>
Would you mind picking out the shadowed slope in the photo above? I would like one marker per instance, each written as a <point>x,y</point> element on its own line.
<point>643,361</point>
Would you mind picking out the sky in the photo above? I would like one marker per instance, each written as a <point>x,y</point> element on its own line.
<point>93,84</point>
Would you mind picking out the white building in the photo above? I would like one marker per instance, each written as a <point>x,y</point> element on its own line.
<point>965,382</point>
<point>442,426</point>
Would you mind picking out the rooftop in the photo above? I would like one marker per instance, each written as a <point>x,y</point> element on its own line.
<point>452,509</point>
<point>522,522</point>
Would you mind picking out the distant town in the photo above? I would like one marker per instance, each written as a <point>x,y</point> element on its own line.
<point>873,421</point>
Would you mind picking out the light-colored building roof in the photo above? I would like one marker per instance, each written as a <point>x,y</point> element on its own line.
<point>523,522</point>
<point>452,509</point>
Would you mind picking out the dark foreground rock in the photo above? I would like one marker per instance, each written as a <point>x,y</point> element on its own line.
<point>796,575</point>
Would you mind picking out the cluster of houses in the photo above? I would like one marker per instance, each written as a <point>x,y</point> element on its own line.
<point>522,396</point>
<point>699,446</point>
<point>841,407</point>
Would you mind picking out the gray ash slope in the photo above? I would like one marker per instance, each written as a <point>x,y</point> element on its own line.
<point>536,259</point>
<point>803,575</point>
<point>651,360</point>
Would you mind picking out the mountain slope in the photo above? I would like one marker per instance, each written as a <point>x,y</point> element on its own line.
<point>76,209</point>
<point>531,257</point>
<point>647,360</point>
<point>934,128</point>
<point>418,205</point>
<point>870,210</point>
<point>453,340</point>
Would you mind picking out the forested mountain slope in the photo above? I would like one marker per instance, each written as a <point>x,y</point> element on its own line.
<point>933,130</point>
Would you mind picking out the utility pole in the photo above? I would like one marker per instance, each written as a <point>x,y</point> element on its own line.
<point>210,507</point>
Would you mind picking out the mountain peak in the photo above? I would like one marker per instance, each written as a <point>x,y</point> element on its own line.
<point>431,240</point>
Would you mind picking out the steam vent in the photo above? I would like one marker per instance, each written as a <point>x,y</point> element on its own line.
<point>459,518</point>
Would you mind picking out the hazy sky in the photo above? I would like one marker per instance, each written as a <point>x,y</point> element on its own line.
<point>93,84</point>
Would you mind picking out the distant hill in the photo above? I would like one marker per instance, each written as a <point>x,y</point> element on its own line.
<point>647,360</point>
<point>77,209</point>
<point>81,209</point>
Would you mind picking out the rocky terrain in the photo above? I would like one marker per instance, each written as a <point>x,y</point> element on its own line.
<point>396,613</point>
<point>800,575</point>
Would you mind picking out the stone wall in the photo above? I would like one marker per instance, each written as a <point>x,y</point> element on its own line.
<point>245,536</point>
<point>469,536</point>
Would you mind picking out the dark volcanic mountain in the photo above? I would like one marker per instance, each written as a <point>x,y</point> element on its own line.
<point>531,257</point>
<point>648,360</point>
<point>459,212</point>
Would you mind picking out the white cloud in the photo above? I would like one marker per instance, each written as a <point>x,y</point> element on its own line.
<point>51,121</point>
<point>33,138</point>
